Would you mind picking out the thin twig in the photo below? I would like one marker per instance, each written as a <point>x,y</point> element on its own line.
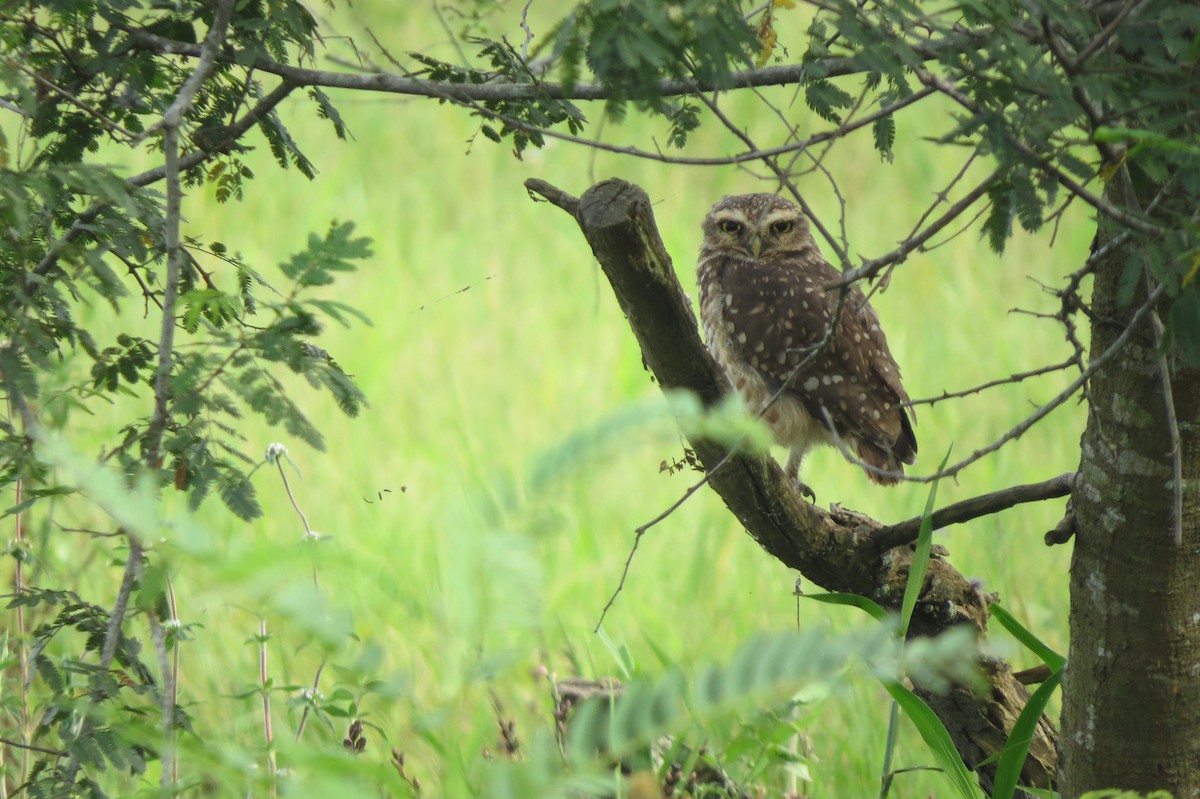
<point>46,83</point>
<point>309,535</point>
<point>1023,426</point>
<point>32,748</point>
<point>870,268</point>
<point>640,531</point>
<point>1014,378</point>
<point>904,532</point>
<point>1103,37</point>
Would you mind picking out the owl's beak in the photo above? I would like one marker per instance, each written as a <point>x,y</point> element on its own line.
<point>756,244</point>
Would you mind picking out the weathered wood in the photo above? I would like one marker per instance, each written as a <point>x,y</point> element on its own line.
<point>836,550</point>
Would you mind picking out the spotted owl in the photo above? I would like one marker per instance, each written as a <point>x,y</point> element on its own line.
<point>764,305</point>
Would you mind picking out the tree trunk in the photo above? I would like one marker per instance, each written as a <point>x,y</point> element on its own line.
<point>1131,693</point>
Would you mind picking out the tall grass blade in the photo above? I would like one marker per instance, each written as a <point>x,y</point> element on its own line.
<point>1008,770</point>
<point>851,600</point>
<point>920,561</point>
<point>934,733</point>
<point>1051,658</point>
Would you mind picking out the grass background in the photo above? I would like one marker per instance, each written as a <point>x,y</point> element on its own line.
<point>480,511</point>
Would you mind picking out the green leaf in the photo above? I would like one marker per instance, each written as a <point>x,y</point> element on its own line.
<point>239,496</point>
<point>851,600</point>
<point>883,130</point>
<point>920,559</point>
<point>998,225</point>
<point>1051,658</point>
<point>937,738</point>
<point>1012,759</point>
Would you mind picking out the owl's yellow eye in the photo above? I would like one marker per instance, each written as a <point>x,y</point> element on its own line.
<point>779,228</point>
<point>730,226</point>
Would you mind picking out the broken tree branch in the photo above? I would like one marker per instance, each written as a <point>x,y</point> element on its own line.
<point>837,549</point>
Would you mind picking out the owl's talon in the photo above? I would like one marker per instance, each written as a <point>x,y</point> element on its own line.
<point>803,488</point>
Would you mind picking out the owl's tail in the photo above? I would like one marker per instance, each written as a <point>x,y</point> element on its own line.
<point>892,459</point>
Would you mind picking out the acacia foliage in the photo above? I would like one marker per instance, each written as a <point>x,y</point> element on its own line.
<point>85,240</point>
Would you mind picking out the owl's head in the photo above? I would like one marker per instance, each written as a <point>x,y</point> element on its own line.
<point>756,225</point>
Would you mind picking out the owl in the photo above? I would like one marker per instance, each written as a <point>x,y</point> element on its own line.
<point>764,306</point>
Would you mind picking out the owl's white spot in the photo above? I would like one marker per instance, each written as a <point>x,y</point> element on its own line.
<point>825,380</point>
<point>728,300</point>
<point>811,383</point>
<point>787,341</point>
<point>858,336</point>
<point>875,413</point>
<point>837,379</point>
<point>861,396</point>
<point>781,357</point>
<point>741,337</point>
<point>787,324</point>
<point>760,347</point>
<point>804,304</point>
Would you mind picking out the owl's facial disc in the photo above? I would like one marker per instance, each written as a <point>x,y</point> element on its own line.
<point>738,233</point>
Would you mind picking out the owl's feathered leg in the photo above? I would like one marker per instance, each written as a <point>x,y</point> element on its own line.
<point>795,456</point>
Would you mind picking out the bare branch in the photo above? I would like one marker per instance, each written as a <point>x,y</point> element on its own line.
<point>782,75</point>
<point>872,267</point>
<point>904,532</point>
<point>1014,378</point>
<point>32,748</point>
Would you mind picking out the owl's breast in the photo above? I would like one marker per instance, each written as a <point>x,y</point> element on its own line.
<point>789,421</point>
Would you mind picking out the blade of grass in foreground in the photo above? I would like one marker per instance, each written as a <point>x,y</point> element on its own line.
<point>934,733</point>
<point>1051,658</point>
<point>1008,770</point>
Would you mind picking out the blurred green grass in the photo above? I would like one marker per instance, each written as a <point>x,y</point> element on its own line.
<point>495,340</point>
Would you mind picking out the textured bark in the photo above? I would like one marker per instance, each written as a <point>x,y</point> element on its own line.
<point>836,550</point>
<point>1131,692</point>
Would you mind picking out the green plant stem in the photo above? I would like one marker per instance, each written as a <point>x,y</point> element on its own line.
<point>889,750</point>
<point>268,732</point>
<point>308,534</point>
<point>166,702</point>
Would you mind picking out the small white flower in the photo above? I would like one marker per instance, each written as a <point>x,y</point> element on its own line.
<point>172,624</point>
<point>311,535</point>
<point>274,450</point>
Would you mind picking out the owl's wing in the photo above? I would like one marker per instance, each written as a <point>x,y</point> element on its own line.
<point>782,311</point>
